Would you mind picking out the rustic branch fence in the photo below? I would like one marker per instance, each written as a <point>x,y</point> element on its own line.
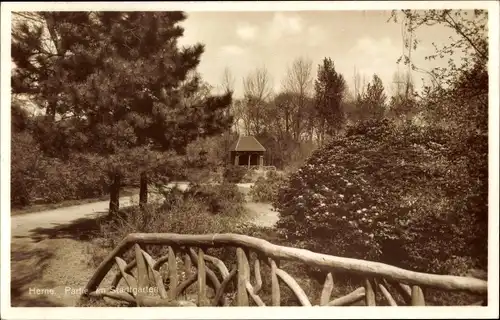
<point>213,273</point>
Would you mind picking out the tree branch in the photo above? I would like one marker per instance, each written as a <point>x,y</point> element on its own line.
<point>25,16</point>
<point>457,28</point>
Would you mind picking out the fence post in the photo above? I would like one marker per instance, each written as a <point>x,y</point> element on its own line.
<point>243,275</point>
<point>417,296</point>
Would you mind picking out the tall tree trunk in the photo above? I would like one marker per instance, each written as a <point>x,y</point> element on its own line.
<point>143,192</point>
<point>114,194</point>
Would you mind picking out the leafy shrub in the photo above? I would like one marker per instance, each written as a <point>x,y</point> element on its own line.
<point>38,178</point>
<point>249,177</point>
<point>266,189</point>
<point>223,199</point>
<point>187,217</point>
<point>234,174</point>
<point>252,175</point>
<point>401,195</point>
<point>24,161</point>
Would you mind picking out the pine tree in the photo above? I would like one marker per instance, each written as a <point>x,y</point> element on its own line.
<point>43,48</point>
<point>329,88</point>
<point>130,104</point>
<point>374,99</point>
<point>156,71</point>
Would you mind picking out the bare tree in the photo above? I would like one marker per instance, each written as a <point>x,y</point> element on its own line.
<point>238,113</point>
<point>299,76</point>
<point>299,82</point>
<point>358,90</point>
<point>398,84</point>
<point>258,90</point>
<point>227,85</point>
<point>258,84</point>
<point>227,80</point>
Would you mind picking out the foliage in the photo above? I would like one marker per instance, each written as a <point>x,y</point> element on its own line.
<point>374,99</point>
<point>254,106</point>
<point>470,27</point>
<point>135,61</point>
<point>37,177</point>
<point>41,179</point>
<point>403,104</point>
<point>458,93</point>
<point>402,195</point>
<point>266,189</point>
<point>184,213</point>
<point>24,161</point>
<point>224,199</point>
<point>283,120</point>
<point>369,103</point>
<point>111,85</point>
<point>42,43</point>
<point>280,147</point>
<point>234,174</point>
<point>329,88</point>
<point>206,156</point>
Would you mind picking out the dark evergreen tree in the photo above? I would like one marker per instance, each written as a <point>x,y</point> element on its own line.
<point>374,99</point>
<point>43,50</point>
<point>329,92</point>
<point>129,104</point>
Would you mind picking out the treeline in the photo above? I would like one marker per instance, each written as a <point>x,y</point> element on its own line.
<point>310,109</point>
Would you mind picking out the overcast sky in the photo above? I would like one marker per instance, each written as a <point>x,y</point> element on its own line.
<point>243,41</point>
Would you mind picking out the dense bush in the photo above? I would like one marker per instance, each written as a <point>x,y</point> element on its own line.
<point>266,188</point>
<point>234,174</point>
<point>181,215</point>
<point>223,199</point>
<point>410,196</point>
<point>38,178</point>
<point>23,165</point>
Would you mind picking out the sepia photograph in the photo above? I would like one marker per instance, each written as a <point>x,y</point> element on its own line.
<point>249,154</point>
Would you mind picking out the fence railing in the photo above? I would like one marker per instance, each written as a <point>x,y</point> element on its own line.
<point>211,272</point>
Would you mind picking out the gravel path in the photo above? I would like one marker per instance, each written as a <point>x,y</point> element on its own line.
<point>50,268</point>
<point>262,213</point>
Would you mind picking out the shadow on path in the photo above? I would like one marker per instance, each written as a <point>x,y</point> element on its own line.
<point>79,230</point>
<point>28,264</point>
